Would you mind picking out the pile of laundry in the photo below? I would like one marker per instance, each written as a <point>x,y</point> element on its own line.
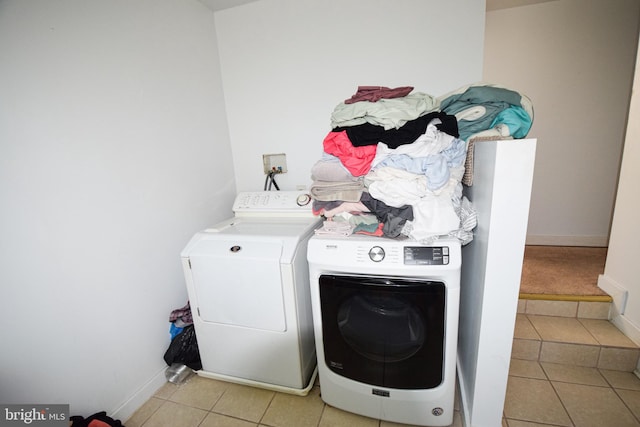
<point>394,160</point>
<point>180,318</point>
<point>183,348</point>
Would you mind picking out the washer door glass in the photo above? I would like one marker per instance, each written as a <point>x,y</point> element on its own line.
<point>384,331</point>
<point>382,328</point>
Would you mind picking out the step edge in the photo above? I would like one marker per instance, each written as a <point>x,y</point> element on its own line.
<point>577,298</point>
<point>598,345</point>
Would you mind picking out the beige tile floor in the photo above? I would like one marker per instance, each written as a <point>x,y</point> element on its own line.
<point>549,394</point>
<point>206,402</point>
<point>539,394</point>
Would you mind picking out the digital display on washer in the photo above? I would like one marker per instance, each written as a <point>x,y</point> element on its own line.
<point>426,255</point>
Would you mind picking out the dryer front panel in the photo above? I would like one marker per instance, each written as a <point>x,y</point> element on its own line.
<point>239,283</point>
<point>383,331</point>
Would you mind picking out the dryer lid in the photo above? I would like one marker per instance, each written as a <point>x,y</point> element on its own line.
<point>287,233</point>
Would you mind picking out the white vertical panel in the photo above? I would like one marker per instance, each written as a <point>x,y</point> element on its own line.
<point>491,270</point>
<point>622,267</point>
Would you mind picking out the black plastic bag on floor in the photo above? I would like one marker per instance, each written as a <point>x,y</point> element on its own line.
<point>184,349</point>
<point>98,419</point>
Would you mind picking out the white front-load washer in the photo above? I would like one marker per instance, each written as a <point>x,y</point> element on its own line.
<point>248,285</point>
<point>385,315</point>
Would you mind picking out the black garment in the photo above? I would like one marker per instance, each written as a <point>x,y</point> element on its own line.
<point>319,205</point>
<point>393,219</point>
<point>79,421</point>
<point>369,134</point>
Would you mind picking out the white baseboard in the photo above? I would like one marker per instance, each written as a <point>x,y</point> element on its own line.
<point>131,405</point>
<point>616,291</point>
<point>619,295</point>
<point>544,240</point>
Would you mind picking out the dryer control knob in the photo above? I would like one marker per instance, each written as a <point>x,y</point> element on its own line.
<point>303,199</point>
<point>376,254</point>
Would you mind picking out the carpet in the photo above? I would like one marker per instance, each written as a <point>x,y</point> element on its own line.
<point>562,271</point>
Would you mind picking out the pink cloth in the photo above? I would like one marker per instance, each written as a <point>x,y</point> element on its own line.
<point>357,160</point>
<point>350,207</point>
<point>376,93</point>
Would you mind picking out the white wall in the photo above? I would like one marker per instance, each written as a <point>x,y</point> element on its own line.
<point>575,60</point>
<point>287,63</point>
<point>114,150</point>
<point>620,278</point>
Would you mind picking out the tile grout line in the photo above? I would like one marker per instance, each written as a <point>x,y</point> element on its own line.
<point>595,338</point>
<point>152,413</point>
<point>624,402</point>
<point>548,379</point>
<point>266,409</point>
<point>558,396</point>
<point>324,407</point>
<point>164,400</point>
<point>562,403</point>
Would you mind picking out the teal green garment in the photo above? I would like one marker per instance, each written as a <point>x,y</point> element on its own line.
<point>366,228</point>
<point>479,95</point>
<point>493,99</point>
<point>516,119</point>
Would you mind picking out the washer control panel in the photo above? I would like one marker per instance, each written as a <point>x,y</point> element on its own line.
<point>280,203</point>
<point>426,255</point>
<point>375,255</point>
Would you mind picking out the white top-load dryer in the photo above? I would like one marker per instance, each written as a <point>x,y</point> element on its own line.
<point>248,285</point>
